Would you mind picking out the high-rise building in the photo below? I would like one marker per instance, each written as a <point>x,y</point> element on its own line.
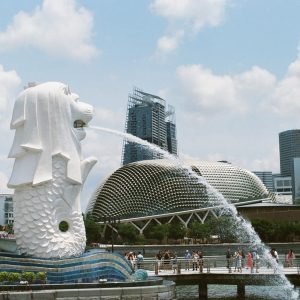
<point>289,148</point>
<point>267,179</point>
<point>148,119</point>
<point>296,180</point>
<point>6,209</point>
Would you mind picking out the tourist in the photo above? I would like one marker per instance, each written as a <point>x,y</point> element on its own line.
<point>254,257</point>
<point>286,260</point>
<point>257,262</point>
<point>274,254</point>
<point>139,260</point>
<point>174,263</point>
<point>291,256</point>
<point>236,257</point>
<point>166,258</point>
<point>249,261</point>
<point>239,261</point>
<point>158,258</point>
<point>228,257</point>
<point>195,259</point>
<point>200,261</point>
<point>132,259</point>
<point>243,258</point>
<point>187,259</point>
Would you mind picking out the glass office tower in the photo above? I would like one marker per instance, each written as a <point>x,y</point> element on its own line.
<point>148,119</point>
<point>289,148</point>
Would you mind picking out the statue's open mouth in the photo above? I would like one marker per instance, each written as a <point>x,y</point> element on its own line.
<point>79,124</point>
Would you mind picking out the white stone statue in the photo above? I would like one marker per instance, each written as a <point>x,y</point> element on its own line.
<point>48,171</point>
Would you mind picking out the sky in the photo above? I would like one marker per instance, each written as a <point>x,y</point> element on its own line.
<point>231,69</point>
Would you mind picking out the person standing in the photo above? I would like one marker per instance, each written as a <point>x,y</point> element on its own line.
<point>195,259</point>
<point>239,261</point>
<point>187,258</point>
<point>228,257</point>
<point>249,261</point>
<point>158,258</point>
<point>290,258</point>
<point>139,260</point>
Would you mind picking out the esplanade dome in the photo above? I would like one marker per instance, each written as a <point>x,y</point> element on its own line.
<point>155,187</point>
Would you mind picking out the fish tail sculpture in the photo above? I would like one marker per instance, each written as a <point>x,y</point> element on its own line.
<point>48,171</point>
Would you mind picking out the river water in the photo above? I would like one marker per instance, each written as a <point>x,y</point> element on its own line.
<point>226,292</point>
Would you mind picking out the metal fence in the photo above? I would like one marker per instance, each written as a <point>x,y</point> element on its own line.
<point>211,263</point>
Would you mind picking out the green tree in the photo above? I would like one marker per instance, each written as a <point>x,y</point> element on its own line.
<point>92,229</point>
<point>199,231</point>
<point>224,227</point>
<point>264,229</point>
<point>176,231</point>
<point>128,233</point>
<point>158,231</point>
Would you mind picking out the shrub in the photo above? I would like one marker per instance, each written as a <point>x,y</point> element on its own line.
<point>41,276</point>
<point>28,276</point>
<point>3,276</point>
<point>14,277</point>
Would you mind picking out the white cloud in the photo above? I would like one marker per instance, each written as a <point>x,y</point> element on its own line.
<point>285,99</point>
<point>197,13</point>
<point>9,83</point>
<point>167,44</point>
<point>60,28</point>
<point>3,184</point>
<point>187,15</point>
<point>108,118</point>
<point>214,93</point>
<point>9,87</point>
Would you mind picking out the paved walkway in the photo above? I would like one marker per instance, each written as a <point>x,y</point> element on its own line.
<point>224,270</point>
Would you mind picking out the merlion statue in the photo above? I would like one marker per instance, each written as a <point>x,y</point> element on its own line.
<point>48,171</point>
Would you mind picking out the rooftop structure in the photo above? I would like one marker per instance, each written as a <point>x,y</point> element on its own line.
<point>159,187</point>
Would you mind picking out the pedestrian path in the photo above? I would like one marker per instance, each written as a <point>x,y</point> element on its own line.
<point>224,270</point>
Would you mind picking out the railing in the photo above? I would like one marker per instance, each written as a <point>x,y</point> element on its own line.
<point>210,264</point>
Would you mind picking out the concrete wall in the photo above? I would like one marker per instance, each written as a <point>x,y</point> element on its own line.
<point>271,213</point>
<point>163,292</point>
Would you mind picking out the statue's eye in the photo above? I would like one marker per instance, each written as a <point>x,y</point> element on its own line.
<point>67,90</point>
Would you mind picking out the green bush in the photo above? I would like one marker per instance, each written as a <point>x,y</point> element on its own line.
<point>28,276</point>
<point>14,277</point>
<point>3,276</point>
<point>42,276</point>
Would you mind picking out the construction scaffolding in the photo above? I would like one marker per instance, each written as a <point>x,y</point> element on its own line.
<point>148,119</point>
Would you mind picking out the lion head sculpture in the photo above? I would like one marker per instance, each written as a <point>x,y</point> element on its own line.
<point>48,120</point>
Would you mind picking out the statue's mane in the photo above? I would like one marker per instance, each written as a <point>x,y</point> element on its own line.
<point>43,124</point>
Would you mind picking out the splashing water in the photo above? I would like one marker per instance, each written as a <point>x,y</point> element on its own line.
<point>244,228</point>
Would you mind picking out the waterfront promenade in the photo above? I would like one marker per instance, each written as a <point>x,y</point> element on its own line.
<point>221,275</point>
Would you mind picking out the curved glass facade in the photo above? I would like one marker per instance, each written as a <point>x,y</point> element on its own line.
<point>155,187</point>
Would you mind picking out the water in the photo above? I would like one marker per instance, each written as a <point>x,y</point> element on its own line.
<point>229,292</point>
<point>244,229</point>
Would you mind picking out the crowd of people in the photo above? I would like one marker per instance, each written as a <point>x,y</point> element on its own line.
<point>193,260</point>
<point>136,260</point>
<point>239,260</point>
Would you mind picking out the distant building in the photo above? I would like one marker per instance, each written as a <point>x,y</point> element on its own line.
<point>6,209</point>
<point>282,184</point>
<point>289,148</point>
<point>296,180</point>
<point>148,119</point>
<point>267,179</point>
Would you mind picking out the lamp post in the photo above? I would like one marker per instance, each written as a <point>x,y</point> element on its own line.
<point>111,221</point>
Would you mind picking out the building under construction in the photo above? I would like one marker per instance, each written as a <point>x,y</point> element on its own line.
<point>148,118</point>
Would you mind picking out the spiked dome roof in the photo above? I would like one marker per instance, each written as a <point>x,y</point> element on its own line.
<point>160,186</point>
